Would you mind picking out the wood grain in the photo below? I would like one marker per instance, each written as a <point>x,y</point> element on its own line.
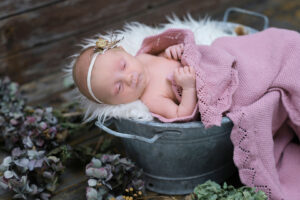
<point>60,20</point>
<point>10,8</point>
<point>49,58</point>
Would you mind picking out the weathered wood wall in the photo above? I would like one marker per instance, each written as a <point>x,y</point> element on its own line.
<point>36,37</point>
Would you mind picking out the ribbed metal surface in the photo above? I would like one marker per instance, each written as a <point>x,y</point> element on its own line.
<point>185,156</point>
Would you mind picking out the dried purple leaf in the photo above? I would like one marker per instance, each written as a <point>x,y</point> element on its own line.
<point>30,120</point>
<point>51,186</point>
<point>138,184</point>
<point>30,133</point>
<point>3,183</point>
<point>6,161</point>
<point>120,198</point>
<point>35,154</point>
<point>39,142</point>
<point>8,174</point>
<point>33,189</point>
<point>45,196</point>
<point>57,167</point>
<point>39,163</point>
<point>109,158</point>
<point>96,163</point>
<point>13,122</point>
<point>43,125</point>
<point>23,162</point>
<point>92,182</point>
<point>54,159</point>
<point>16,152</point>
<point>19,196</point>
<point>97,172</point>
<point>111,176</point>
<point>31,165</point>
<point>27,142</point>
<point>48,175</point>
<point>91,194</point>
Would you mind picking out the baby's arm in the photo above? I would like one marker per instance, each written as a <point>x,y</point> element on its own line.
<point>184,77</point>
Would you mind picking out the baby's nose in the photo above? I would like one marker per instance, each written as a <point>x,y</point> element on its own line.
<point>128,78</point>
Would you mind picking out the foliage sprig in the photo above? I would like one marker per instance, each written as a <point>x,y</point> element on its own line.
<point>110,176</point>
<point>213,191</point>
<point>28,134</point>
<point>35,139</point>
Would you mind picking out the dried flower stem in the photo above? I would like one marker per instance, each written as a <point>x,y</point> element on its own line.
<point>72,114</point>
<point>99,142</point>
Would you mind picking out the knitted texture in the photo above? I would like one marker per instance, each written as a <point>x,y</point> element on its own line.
<point>254,80</point>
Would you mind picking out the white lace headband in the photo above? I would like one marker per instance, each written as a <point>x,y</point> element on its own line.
<point>88,80</point>
<point>102,46</point>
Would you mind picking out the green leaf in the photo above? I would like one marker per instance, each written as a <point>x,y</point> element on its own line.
<point>213,191</point>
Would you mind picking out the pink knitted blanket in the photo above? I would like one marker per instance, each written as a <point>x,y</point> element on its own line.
<point>253,80</point>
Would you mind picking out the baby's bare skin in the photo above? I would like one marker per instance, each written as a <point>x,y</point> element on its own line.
<point>160,98</point>
<point>118,77</point>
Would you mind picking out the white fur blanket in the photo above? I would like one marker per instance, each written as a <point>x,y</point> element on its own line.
<point>205,32</point>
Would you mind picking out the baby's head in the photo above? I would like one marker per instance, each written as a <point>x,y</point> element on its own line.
<point>113,77</point>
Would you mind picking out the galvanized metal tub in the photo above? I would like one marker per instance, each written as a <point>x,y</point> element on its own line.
<point>181,155</point>
<point>176,157</point>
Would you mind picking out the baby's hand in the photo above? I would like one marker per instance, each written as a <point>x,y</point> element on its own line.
<point>185,77</point>
<point>174,52</point>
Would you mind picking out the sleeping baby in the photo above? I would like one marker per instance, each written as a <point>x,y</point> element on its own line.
<point>107,74</point>
<point>253,80</point>
<point>179,80</point>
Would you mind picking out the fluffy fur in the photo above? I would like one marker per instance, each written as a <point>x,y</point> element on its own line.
<point>205,31</point>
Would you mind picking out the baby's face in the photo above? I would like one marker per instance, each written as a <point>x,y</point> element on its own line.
<point>118,77</point>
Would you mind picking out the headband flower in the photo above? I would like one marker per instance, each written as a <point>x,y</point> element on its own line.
<point>103,45</point>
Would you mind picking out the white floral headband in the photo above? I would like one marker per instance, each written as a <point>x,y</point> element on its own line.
<point>102,45</point>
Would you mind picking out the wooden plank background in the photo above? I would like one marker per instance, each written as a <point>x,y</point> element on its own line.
<point>37,39</point>
<point>38,36</point>
<point>15,7</point>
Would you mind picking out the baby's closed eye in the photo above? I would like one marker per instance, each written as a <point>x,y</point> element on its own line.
<point>123,65</point>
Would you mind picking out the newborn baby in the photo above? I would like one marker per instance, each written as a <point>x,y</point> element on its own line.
<point>253,80</point>
<point>113,76</point>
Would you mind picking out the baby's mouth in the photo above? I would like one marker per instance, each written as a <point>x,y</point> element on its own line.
<point>135,80</point>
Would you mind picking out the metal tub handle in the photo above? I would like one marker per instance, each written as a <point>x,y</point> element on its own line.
<point>240,10</point>
<point>137,137</point>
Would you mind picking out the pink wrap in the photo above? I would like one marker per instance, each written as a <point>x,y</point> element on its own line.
<point>253,80</point>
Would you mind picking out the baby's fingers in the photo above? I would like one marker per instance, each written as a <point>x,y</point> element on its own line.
<point>168,53</point>
<point>192,70</point>
<point>174,53</point>
<point>179,52</point>
<point>189,69</point>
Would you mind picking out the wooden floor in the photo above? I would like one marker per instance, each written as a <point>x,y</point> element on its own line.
<point>38,36</point>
